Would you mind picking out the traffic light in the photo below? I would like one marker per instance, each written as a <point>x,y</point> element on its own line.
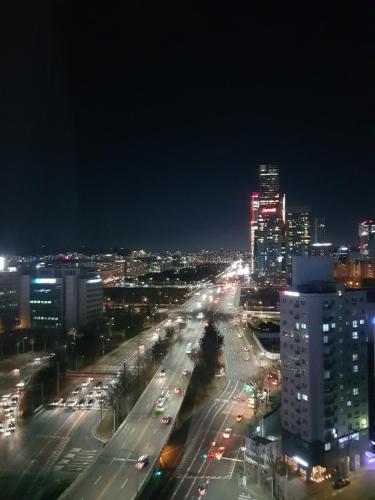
<point>158,473</point>
<point>203,456</point>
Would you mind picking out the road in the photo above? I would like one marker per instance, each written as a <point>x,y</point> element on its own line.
<point>114,472</point>
<point>59,441</point>
<point>220,413</point>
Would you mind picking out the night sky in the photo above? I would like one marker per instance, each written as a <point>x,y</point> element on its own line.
<point>143,128</point>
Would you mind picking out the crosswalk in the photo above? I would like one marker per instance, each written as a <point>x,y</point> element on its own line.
<point>75,460</point>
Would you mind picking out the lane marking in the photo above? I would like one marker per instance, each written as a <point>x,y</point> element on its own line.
<point>126,480</point>
<point>99,478</point>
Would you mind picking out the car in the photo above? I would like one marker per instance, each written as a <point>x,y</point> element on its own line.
<point>76,391</point>
<point>85,383</point>
<point>56,402</point>
<point>239,336</point>
<point>81,402</point>
<point>177,390</point>
<point>201,490</point>
<point>166,419</point>
<point>98,385</point>
<point>2,430</point>
<point>341,482</point>
<point>90,403</point>
<point>239,418</point>
<point>247,358</point>
<point>71,403</point>
<point>7,432</point>
<point>141,462</point>
<point>62,403</point>
<point>227,433</point>
<point>12,426</point>
<point>185,372</point>
<point>162,373</point>
<point>164,394</point>
<point>246,349</point>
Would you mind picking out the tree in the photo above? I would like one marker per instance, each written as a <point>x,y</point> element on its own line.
<point>210,344</point>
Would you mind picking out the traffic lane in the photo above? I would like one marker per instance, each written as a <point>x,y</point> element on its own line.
<point>110,454</point>
<point>144,435</point>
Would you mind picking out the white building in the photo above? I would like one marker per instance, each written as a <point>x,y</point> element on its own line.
<point>63,298</point>
<point>324,373</point>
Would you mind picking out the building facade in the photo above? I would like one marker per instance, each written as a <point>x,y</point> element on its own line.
<point>320,230</point>
<point>324,377</point>
<point>268,222</point>
<point>298,234</point>
<point>60,298</point>
<point>366,233</point>
<point>9,300</point>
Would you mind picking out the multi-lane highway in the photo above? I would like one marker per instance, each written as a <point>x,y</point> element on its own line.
<point>142,434</point>
<point>58,443</point>
<point>227,409</point>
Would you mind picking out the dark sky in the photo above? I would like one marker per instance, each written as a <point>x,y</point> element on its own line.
<point>132,127</point>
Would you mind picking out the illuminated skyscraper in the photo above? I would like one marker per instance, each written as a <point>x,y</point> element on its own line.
<point>298,234</point>
<point>268,229</point>
<point>367,238</point>
<point>319,230</point>
<point>253,226</point>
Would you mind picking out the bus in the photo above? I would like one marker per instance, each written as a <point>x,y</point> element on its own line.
<point>188,348</point>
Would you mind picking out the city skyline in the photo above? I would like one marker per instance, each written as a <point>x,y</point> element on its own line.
<point>162,150</point>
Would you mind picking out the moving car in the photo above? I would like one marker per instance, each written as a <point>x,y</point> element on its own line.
<point>166,419</point>
<point>239,418</point>
<point>227,433</point>
<point>177,390</point>
<point>81,403</point>
<point>76,391</point>
<point>141,462</point>
<point>90,403</point>
<point>2,430</point>
<point>71,403</point>
<point>341,482</point>
<point>185,372</point>
<point>162,373</point>
<point>202,490</point>
<point>56,402</point>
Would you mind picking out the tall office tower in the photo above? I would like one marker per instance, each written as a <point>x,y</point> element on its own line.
<point>319,230</point>
<point>324,374</point>
<point>298,234</point>
<point>253,226</point>
<point>269,234</point>
<point>366,234</point>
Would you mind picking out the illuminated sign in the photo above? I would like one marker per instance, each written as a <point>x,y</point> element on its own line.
<point>300,461</point>
<point>322,244</point>
<point>2,263</point>
<point>94,280</point>
<point>268,210</point>
<point>44,281</point>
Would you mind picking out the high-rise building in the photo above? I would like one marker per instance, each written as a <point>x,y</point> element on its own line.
<point>324,375</point>
<point>298,234</point>
<point>366,234</point>
<point>268,221</point>
<point>319,230</point>
<point>253,226</point>
<point>9,300</point>
<point>60,298</point>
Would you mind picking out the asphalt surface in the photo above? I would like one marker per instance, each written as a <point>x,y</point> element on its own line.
<point>220,413</point>
<point>57,442</point>
<point>114,472</point>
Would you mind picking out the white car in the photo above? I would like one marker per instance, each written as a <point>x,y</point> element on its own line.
<point>71,403</point>
<point>141,462</point>
<point>2,430</point>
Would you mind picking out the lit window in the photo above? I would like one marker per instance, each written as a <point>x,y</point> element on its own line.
<point>355,368</point>
<point>297,326</point>
<point>327,446</point>
<point>325,339</point>
<point>303,326</point>
<point>355,335</point>
<point>327,374</point>
<point>355,323</point>
<point>325,327</point>
<point>298,396</point>
<point>361,321</point>
<point>355,391</point>
<point>355,357</point>
<point>333,325</point>
<point>305,397</point>
<point>348,403</point>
